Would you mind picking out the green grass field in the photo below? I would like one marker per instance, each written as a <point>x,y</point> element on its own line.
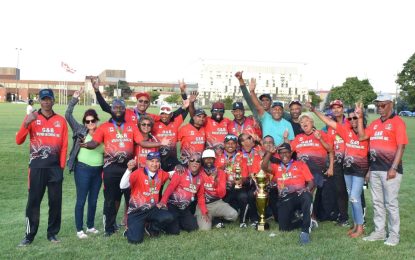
<point>328,241</point>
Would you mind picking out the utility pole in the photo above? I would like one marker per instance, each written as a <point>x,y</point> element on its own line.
<point>17,73</point>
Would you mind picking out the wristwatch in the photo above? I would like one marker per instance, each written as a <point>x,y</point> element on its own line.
<point>394,167</point>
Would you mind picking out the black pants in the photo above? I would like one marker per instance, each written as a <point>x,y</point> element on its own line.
<point>112,195</point>
<point>39,179</point>
<point>252,210</point>
<point>325,201</point>
<point>341,192</point>
<point>238,199</point>
<point>288,205</point>
<point>182,219</point>
<point>158,218</point>
<point>273,199</point>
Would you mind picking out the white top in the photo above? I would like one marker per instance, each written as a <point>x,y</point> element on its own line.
<point>29,109</point>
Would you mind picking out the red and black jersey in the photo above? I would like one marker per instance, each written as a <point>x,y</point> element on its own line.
<point>192,141</point>
<point>169,131</point>
<point>249,126</point>
<point>141,152</point>
<point>252,159</point>
<point>310,150</point>
<point>145,190</point>
<point>132,116</point>
<point>48,141</point>
<point>118,142</point>
<point>384,140</point>
<point>216,132</point>
<point>338,143</point>
<point>355,160</point>
<point>290,178</point>
<point>228,163</point>
<point>215,186</point>
<point>183,189</point>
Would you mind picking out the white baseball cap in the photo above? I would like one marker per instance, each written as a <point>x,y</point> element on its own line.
<point>166,109</point>
<point>208,153</point>
<point>383,97</point>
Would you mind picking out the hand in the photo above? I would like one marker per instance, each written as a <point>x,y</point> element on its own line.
<point>165,142</point>
<point>161,205</point>
<point>179,169</point>
<point>359,110</point>
<point>285,134</point>
<point>182,86</point>
<point>132,163</point>
<point>252,85</point>
<point>367,177</point>
<point>330,171</point>
<point>193,96</point>
<point>30,118</point>
<point>302,191</point>
<point>317,134</point>
<point>310,106</point>
<point>391,174</point>
<point>272,149</point>
<point>205,217</point>
<point>78,93</point>
<point>95,83</point>
<point>83,145</point>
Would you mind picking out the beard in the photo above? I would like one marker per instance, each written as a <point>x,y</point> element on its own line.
<point>118,118</point>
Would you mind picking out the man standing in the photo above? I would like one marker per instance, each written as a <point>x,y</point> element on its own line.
<point>242,124</point>
<point>387,140</point>
<point>295,112</point>
<point>48,146</point>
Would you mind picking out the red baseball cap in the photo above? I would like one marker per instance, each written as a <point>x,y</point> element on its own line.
<point>143,94</point>
<point>218,105</point>
<point>336,102</point>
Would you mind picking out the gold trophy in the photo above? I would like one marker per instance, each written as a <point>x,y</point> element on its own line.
<point>261,201</point>
<point>238,177</point>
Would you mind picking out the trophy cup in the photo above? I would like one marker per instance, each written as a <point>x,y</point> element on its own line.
<point>238,177</point>
<point>261,201</point>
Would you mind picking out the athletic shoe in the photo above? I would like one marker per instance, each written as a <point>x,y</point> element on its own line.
<point>25,242</point>
<point>54,239</point>
<point>150,232</point>
<point>254,224</point>
<point>304,238</point>
<point>81,234</point>
<point>242,225</point>
<point>220,225</point>
<point>108,234</point>
<point>343,223</point>
<point>374,236</point>
<point>92,230</point>
<point>314,223</point>
<point>391,241</point>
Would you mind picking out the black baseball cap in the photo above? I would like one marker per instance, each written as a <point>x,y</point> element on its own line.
<point>295,102</point>
<point>199,112</point>
<point>238,105</point>
<point>230,137</point>
<point>153,155</point>
<point>119,102</point>
<point>284,146</point>
<point>277,103</point>
<point>267,95</point>
<point>47,92</point>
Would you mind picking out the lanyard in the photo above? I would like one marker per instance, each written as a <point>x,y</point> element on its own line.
<point>152,182</point>
<point>236,125</point>
<point>230,164</point>
<point>137,114</point>
<point>249,155</point>
<point>116,128</point>
<point>285,171</point>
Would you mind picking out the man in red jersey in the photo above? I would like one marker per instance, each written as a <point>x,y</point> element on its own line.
<point>294,181</point>
<point>242,124</point>
<point>387,140</point>
<point>192,136</point>
<point>181,193</point>
<point>214,181</point>
<point>48,146</point>
<point>145,184</point>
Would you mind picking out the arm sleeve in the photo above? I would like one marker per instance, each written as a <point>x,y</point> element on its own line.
<point>69,115</point>
<point>341,131</point>
<point>22,133</point>
<point>138,137</point>
<point>201,202</point>
<point>306,172</point>
<point>291,135</point>
<point>172,187</point>
<point>102,103</point>
<point>401,137</point>
<point>248,100</point>
<point>64,149</point>
<point>98,135</point>
<point>125,180</point>
<point>180,111</point>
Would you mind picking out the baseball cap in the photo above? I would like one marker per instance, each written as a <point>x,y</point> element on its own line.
<point>265,95</point>
<point>143,94</point>
<point>153,155</point>
<point>238,105</point>
<point>230,137</point>
<point>383,97</point>
<point>284,146</point>
<point>277,103</point>
<point>208,153</point>
<point>118,102</point>
<point>47,92</point>
<point>166,109</point>
<point>336,102</point>
<point>199,112</point>
<point>295,102</point>
<point>218,105</point>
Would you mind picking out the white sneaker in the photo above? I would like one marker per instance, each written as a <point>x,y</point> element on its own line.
<point>374,236</point>
<point>92,230</point>
<point>81,235</point>
<point>391,241</point>
<point>314,223</point>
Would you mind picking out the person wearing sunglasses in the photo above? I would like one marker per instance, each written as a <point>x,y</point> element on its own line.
<point>243,124</point>
<point>86,165</point>
<point>145,125</point>
<point>185,189</point>
<point>295,107</point>
<point>387,140</point>
<point>355,165</point>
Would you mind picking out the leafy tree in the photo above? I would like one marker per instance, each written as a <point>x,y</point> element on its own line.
<point>228,102</point>
<point>174,98</point>
<point>123,86</point>
<point>154,95</point>
<point>406,80</point>
<point>315,99</point>
<point>401,105</point>
<point>352,91</point>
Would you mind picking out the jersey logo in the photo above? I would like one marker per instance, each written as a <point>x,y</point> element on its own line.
<point>38,122</point>
<point>129,129</point>
<point>375,127</point>
<point>388,127</point>
<point>192,133</point>
<point>301,139</point>
<point>111,129</point>
<point>57,124</point>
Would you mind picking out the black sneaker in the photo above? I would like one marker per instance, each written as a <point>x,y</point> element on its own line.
<point>344,223</point>
<point>54,239</point>
<point>108,233</point>
<point>150,232</point>
<point>25,242</point>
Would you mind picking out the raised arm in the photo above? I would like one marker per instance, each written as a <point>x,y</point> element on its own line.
<point>192,100</point>
<point>326,120</point>
<point>75,126</point>
<point>360,128</point>
<point>245,94</point>
<point>258,107</point>
<point>101,101</point>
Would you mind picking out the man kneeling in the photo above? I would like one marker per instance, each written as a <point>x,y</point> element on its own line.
<point>294,181</point>
<point>143,214</point>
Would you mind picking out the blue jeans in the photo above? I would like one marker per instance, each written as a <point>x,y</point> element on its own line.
<point>88,183</point>
<point>354,187</point>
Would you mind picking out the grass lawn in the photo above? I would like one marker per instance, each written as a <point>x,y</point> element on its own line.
<point>328,241</point>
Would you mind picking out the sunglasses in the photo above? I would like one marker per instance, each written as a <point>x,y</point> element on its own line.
<point>93,121</point>
<point>144,124</point>
<point>167,109</point>
<point>381,105</point>
<point>217,110</point>
<point>143,101</point>
<point>352,118</point>
<point>195,160</point>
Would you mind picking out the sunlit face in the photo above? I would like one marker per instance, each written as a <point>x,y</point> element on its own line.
<point>47,103</point>
<point>285,155</point>
<point>247,142</point>
<point>91,123</point>
<point>238,114</point>
<point>165,118</point>
<point>268,143</point>
<point>266,103</point>
<point>145,126</point>
<point>194,164</point>
<point>217,114</point>
<point>384,108</point>
<point>307,125</point>
<point>118,110</point>
<point>277,112</point>
<point>153,165</point>
<point>208,162</point>
<point>142,104</point>
<point>199,120</point>
<point>352,119</point>
<point>230,146</point>
<point>337,110</point>
<point>295,111</point>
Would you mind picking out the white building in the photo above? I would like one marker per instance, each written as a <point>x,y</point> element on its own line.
<point>284,81</point>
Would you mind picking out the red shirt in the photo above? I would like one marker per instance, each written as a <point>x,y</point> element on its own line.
<point>142,152</point>
<point>249,126</point>
<point>214,189</point>
<point>145,190</point>
<point>228,164</point>
<point>252,159</point>
<point>310,150</point>
<point>291,178</point>
<point>192,141</point>
<point>384,140</point>
<point>118,142</point>
<point>132,116</point>
<point>182,190</point>
<point>216,132</point>
<point>169,131</point>
<point>355,160</point>
<point>48,141</point>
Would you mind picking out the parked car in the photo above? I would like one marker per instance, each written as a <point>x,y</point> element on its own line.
<point>406,113</point>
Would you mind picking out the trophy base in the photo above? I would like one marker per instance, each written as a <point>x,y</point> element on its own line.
<point>263,227</point>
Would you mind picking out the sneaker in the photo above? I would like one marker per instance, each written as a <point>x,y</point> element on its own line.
<point>304,238</point>
<point>92,230</point>
<point>343,223</point>
<point>254,224</point>
<point>108,234</point>
<point>220,225</point>
<point>374,236</point>
<point>25,242</point>
<point>54,239</point>
<point>391,241</point>
<point>116,227</point>
<point>314,223</point>
<point>243,225</point>
<point>150,232</point>
<point>81,234</point>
